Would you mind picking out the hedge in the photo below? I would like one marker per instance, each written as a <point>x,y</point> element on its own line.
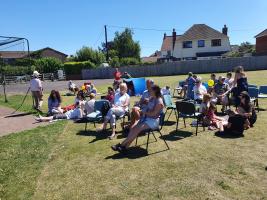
<point>76,67</point>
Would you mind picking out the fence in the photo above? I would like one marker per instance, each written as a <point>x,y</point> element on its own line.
<point>182,67</point>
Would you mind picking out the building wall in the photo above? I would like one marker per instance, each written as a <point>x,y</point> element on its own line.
<point>261,45</point>
<point>182,67</point>
<point>180,52</point>
<point>50,53</point>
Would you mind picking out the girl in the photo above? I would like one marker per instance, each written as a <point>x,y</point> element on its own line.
<point>54,103</point>
<point>240,82</point>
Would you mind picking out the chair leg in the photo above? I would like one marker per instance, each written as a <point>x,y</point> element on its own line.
<point>257,104</point>
<point>164,140</point>
<point>136,141</point>
<point>169,115</point>
<point>147,141</point>
<point>154,136</point>
<point>94,125</point>
<point>197,127</point>
<point>184,123</point>
<point>85,128</point>
<point>177,122</point>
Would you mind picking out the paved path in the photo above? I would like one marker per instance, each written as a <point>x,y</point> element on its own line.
<point>21,88</point>
<point>16,122</point>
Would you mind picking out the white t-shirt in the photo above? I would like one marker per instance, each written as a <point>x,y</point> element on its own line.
<point>199,92</point>
<point>89,106</point>
<point>120,100</point>
<point>229,82</point>
<point>35,84</point>
<point>165,91</point>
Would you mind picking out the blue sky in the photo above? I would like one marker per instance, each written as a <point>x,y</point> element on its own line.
<point>68,25</point>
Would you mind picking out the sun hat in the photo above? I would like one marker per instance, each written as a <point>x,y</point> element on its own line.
<point>35,74</point>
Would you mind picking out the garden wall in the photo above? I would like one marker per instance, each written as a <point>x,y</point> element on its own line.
<point>181,67</point>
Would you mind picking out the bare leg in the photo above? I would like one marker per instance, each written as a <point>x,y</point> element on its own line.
<point>134,133</point>
<point>135,116</point>
<point>44,119</point>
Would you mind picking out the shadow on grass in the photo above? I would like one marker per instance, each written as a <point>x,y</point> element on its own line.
<point>227,135</point>
<point>20,114</point>
<point>98,135</point>
<point>177,135</point>
<point>169,123</point>
<point>132,153</point>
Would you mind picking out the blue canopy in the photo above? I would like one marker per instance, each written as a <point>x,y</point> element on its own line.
<point>138,83</point>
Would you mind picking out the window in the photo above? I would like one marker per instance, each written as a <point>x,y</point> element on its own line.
<point>216,43</point>
<point>187,44</point>
<point>201,43</point>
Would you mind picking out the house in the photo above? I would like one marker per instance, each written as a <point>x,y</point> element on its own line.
<point>261,43</point>
<point>198,41</point>
<point>11,56</point>
<point>152,58</point>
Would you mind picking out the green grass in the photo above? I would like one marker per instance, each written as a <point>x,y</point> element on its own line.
<point>74,164</point>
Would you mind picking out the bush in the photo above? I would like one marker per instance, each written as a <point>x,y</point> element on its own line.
<point>88,54</point>
<point>48,65</point>
<point>24,62</point>
<point>16,70</point>
<point>77,67</point>
<point>116,62</point>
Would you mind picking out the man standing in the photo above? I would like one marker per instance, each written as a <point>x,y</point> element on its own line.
<point>37,90</point>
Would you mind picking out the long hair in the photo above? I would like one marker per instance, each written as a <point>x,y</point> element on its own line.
<point>57,96</point>
<point>157,90</point>
<point>247,103</point>
<point>240,70</point>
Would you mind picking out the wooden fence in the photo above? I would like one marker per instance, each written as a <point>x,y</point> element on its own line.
<point>182,67</point>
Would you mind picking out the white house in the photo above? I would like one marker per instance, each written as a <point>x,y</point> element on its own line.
<point>198,41</point>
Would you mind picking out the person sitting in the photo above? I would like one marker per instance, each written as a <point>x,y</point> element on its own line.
<point>246,110</point>
<point>54,103</point>
<point>110,95</point>
<point>149,119</point>
<point>166,90</point>
<point>80,99</point>
<point>220,92</point>
<point>126,75</point>
<point>72,87</point>
<point>189,85</point>
<point>93,89</point>
<point>76,113</point>
<point>213,77</point>
<point>89,106</point>
<point>119,107</point>
<point>199,90</point>
<point>142,104</point>
<point>229,80</point>
<point>235,124</point>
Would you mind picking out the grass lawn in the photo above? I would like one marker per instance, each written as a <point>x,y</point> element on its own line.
<point>61,161</point>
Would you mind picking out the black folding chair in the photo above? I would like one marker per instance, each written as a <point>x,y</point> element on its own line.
<point>187,109</point>
<point>150,131</point>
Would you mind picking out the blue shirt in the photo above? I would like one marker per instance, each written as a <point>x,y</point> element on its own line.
<point>52,104</point>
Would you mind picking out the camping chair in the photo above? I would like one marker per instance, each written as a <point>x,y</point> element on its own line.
<point>252,86</point>
<point>187,109</point>
<point>122,118</point>
<point>169,105</point>
<point>254,94</point>
<point>263,92</point>
<point>150,131</point>
<point>100,111</point>
<point>179,88</point>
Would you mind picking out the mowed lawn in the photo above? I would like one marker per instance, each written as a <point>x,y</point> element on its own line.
<point>62,161</point>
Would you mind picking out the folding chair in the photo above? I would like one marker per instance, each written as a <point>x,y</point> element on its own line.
<point>185,110</point>
<point>150,131</point>
<point>179,88</point>
<point>263,92</point>
<point>252,86</point>
<point>169,105</point>
<point>254,94</point>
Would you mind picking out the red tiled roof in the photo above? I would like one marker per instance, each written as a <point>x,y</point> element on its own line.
<point>261,34</point>
<point>201,31</point>
<point>167,44</point>
<point>13,54</point>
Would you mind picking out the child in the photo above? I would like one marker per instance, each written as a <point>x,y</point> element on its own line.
<point>166,91</point>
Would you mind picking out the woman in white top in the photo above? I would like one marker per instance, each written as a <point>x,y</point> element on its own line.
<point>120,106</point>
<point>199,90</point>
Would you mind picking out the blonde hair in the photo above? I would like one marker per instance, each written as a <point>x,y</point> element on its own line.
<point>123,86</point>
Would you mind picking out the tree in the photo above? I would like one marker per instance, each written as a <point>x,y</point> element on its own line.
<point>88,54</point>
<point>125,45</point>
<point>246,47</point>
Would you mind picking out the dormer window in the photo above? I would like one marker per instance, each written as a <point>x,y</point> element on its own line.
<point>201,43</point>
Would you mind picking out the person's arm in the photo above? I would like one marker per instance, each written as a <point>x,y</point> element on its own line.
<point>49,104</point>
<point>235,80</point>
<point>155,111</point>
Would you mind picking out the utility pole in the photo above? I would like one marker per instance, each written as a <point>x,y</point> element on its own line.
<point>106,39</point>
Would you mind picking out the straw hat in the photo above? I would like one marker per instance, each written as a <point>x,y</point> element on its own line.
<point>35,74</point>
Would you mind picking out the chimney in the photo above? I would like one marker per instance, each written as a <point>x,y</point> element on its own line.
<point>225,30</point>
<point>173,38</point>
<point>165,35</point>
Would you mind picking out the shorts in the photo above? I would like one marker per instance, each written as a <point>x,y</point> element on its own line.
<point>153,124</point>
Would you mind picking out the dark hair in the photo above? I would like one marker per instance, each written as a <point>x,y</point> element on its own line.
<point>110,88</point>
<point>213,74</point>
<point>80,93</point>
<point>229,74</point>
<point>157,90</point>
<point>247,104</point>
<point>58,97</point>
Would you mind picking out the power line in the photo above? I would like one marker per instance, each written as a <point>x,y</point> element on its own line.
<point>142,29</point>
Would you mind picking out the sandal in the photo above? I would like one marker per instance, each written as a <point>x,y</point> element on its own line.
<point>119,148</point>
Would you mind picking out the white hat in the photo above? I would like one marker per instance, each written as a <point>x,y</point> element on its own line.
<point>35,73</point>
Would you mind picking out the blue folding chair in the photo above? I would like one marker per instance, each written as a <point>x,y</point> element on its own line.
<point>263,92</point>
<point>252,86</point>
<point>169,105</point>
<point>254,94</point>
